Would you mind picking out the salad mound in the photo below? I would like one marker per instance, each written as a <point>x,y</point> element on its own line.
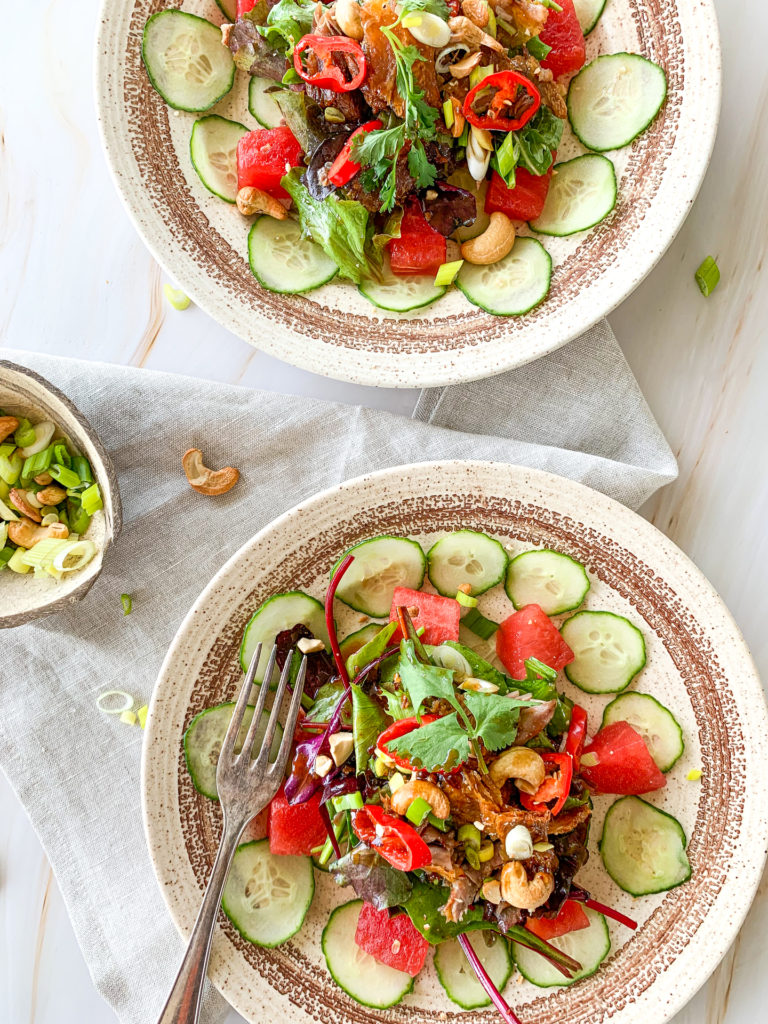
<point>404,144</point>
<point>443,774</point>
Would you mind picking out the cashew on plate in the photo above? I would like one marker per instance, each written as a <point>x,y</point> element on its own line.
<point>493,245</point>
<point>204,480</point>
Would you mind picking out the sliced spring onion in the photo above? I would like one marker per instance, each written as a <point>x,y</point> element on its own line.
<point>43,434</point>
<point>10,469</point>
<point>446,273</point>
<point>537,48</point>
<point>127,602</point>
<point>448,114</point>
<point>37,464</point>
<point>128,718</point>
<point>418,810</point>
<point>348,802</point>
<point>6,554</point>
<point>490,28</point>
<point>50,518</point>
<point>466,599</point>
<point>708,276</point>
<point>443,824</point>
<point>91,500</point>
<point>82,467</point>
<point>141,714</point>
<point>105,701</point>
<point>15,563</point>
<point>25,434</point>
<point>42,555</point>
<point>75,556</point>
<point>66,477</point>
<point>7,450</point>
<point>480,626</point>
<point>477,74</point>
<point>176,297</point>
<point>7,514</point>
<point>3,534</point>
<point>78,517</point>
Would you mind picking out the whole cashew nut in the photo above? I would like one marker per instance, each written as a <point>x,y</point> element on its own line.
<point>428,791</point>
<point>8,425</point>
<point>253,200</point>
<point>522,892</point>
<point>348,18</point>
<point>476,11</point>
<point>493,245</point>
<point>204,480</point>
<point>51,495</point>
<point>19,499</point>
<point>523,765</point>
<point>26,534</point>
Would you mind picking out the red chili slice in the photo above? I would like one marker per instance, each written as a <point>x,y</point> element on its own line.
<point>554,787</point>
<point>396,840</point>
<point>577,733</point>
<point>344,168</point>
<point>508,96</point>
<point>330,76</point>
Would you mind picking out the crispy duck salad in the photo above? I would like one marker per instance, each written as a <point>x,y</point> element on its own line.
<point>443,774</point>
<point>403,144</point>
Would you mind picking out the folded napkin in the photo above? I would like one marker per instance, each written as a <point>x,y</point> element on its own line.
<point>578,412</point>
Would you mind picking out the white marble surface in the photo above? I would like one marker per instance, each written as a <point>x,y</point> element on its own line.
<point>75,279</point>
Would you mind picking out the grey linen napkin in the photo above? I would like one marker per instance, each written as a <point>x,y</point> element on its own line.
<point>578,413</point>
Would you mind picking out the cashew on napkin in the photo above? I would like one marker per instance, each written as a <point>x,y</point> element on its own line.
<point>578,412</point>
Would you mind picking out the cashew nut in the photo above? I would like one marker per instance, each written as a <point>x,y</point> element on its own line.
<point>495,242</point>
<point>204,480</point>
<point>51,495</point>
<point>476,11</point>
<point>522,892</point>
<point>464,67</point>
<point>348,18</point>
<point>44,479</point>
<point>8,425</point>
<point>253,200</point>
<point>523,765</point>
<point>465,31</point>
<point>458,119</point>
<point>428,791</point>
<point>19,499</point>
<point>26,534</point>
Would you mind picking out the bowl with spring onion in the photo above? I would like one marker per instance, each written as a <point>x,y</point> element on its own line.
<point>50,449</point>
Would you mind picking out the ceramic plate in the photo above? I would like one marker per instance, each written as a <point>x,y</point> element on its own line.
<point>202,241</point>
<point>698,665</point>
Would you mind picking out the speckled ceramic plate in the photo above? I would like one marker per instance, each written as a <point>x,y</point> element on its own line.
<point>202,241</point>
<point>698,665</point>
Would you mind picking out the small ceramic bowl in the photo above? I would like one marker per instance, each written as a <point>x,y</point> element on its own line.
<point>24,598</point>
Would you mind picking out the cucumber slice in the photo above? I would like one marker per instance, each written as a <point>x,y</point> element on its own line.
<point>356,641</point>
<point>460,981</point>
<point>643,848</point>
<point>614,98</point>
<point>282,261</point>
<point>555,582</point>
<point>262,104</point>
<point>655,723</point>
<point>590,946</point>
<point>380,565</point>
<point>267,896</point>
<point>400,294</point>
<point>512,286</point>
<point>205,736</point>
<point>283,611</point>
<point>228,8</point>
<point>185,60</point>
<point>609,651</point>
<point>582,193</point>
<point>213,150</point>
<point>365,979</point>
<point>466,557</point>
<point>588,12</point>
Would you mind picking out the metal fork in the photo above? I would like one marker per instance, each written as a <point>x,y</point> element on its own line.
<point>245,787</point>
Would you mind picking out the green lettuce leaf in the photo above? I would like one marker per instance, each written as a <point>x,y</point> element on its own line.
<point>423,908</point>
<point>287,22</point>
<point>368,722</point>
<point>371,651</point>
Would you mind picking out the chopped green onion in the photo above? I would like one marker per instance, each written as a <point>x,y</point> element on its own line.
<point>478,74</point>
<point>446,274</point>
<point>7,450</point>
<point>466,599</point>
<point>552,5</point>
<point>37,464</point>
<point>486,852</point>
<point>347,802</point>
<point>91,500</point>
<point>10,469</point>
<point>16,562</point>
<point>471,836</point>
<point>448,114</point>
<point>61,454</point>
<point>480,626</point>
<point>127,602</point>
<point>473,857</point>
<point>6,554</point>
<point>176,296</point>
<point>82,467</point>
<point>25,434</point>
<point>537,48</point>
<point>141,714</point>
<point>490,28</point>
<point>78,517</point>
<point>694,775</point>
<point>418,810</point>
<point>7,513</point>
<point>76,555</point>
<point>64,476</point>
<point>126,702</point>
<point>708,276</point>
<point>506,159</point>
<point>439,823</point>
<point>50,518</point>
<point>42,555</point>
<point>128,718</point>
<point>411,20</point>
<point>464,137</point>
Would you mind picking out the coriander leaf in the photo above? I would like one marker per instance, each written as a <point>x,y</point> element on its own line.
<point>495,718</point>
<point>436,7</point>
<point>424,681</point>
<point>440,744</point>
<point>423,172</point>
<point>368,722</point>
<point>394,702</point>
<point>423,907</point>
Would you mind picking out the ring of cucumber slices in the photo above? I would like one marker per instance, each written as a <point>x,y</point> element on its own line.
<point>608,650</point>
<point>267,897</point>
<point>262,103</point>
<point>466,556</point>
<point>655,723</point>
<point>281,612</point>
<point>355,971</point>
<point>643,847</point>
<point>555,582</point>
<point>457,977</point>
<point>513,285</point>
<point>588,12</point>
<point>381,564</point>
<point>283,261</point>
<point>590,946</point>
<point>213,151</point>
<point>185,60</point>
<point>204,738</point>
<point>400,294</point>
<point>582,194</point>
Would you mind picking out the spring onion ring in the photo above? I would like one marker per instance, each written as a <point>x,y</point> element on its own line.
<point>81,550</point>
<point>127,702</point>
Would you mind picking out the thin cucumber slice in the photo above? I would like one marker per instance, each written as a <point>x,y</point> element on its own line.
<point>262,103</point>
<point>460,981</point>
<point>185,60</point>
<point>283,261</point>
<point>356,641</point>
<point>582,193</point>
<point>609,651</point>
<point>514,285</point>
<point>213,150</point>
<point>283,611</point>
<point>205,736</point>
<point>228,8</point>
<point>267,896</point>
<point>400,293</point>
<point>380,565</point>
<point>590,946</point>
<point>643,848</point>
<point>613,99</point>
<point>365,979</point>
<point>588,12</point>
<point>555,582</point>
<point>466,557</point>
<point>655,723</point>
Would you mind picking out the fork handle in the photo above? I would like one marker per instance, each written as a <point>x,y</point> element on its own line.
<point>183,1005</point>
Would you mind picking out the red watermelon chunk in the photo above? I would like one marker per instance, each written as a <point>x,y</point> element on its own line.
<point>624,765</point>
<point>439,616</point>
<point>391,940</point>
<point>530,633</point>
<point>295,829</point>
<point>563,33</point>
